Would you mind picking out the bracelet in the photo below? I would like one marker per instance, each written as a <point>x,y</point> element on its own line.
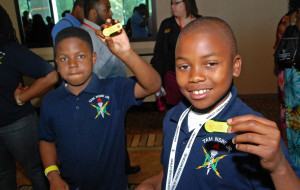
<point>18,100</point>
<point>51,168</point>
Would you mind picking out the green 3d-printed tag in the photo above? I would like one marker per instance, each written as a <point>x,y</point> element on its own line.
<point>113,29</point>
<point>216,126</point>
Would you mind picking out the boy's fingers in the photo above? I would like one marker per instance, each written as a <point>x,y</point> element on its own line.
<point>249,117</point>
<point>109,41</point>
<point>258,139</point>
<point>99,34</point>
<point>252,138</point>
<point>103,26</point>
<point>262,151</point>
<point>251,123</point>
<point>116,21</point>
<point>251,126</point>
<point>108,21</point>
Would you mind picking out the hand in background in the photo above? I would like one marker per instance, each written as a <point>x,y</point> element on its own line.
<point>19,90</point>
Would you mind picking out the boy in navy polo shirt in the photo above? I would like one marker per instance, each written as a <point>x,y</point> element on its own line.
<point>247,155</point>
<point>82,121</point>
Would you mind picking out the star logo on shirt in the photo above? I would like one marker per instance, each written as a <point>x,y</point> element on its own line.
<point>101,108</point>
<point>211,161</point>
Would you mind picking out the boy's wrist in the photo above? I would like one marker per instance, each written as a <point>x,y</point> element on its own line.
<point>282,169</point>
<point>53,176</point>
<point>127,55</point>
<point>51,169</point>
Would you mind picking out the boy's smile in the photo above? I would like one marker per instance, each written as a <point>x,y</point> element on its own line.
<point>205,66</point>
<point>75,63</point>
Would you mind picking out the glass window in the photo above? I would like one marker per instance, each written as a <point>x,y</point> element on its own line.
<point>36,18</point>
<point>124,9</point>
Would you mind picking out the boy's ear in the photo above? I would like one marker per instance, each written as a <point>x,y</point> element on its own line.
<point>94,58</point>
<point>237,65</point>
<point>92,15</point>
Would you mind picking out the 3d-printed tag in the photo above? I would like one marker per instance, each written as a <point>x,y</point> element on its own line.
<point>113,29</point>
<point>216,126</point>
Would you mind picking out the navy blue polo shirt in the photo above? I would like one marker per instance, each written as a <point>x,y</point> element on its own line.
<point>89,132</point>
<point>17,61</point>
<point>214,163</point>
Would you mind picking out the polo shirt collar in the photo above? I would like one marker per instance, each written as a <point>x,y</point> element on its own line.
<point>94,85</point>
<point>179,109</point>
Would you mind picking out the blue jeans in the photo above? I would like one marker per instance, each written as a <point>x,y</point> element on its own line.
<point>19,142</point>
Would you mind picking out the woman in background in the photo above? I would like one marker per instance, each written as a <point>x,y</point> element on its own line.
<point>289,91</point>
<point>184,11</point>
<point>18,119</point>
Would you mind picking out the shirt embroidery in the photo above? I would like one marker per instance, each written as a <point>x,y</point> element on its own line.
<point>211,161</point>
<point>101,102</point>
<point>1,56</point>
<point>214,147</point>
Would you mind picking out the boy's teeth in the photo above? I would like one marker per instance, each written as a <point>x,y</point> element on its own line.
<point>200,91</point>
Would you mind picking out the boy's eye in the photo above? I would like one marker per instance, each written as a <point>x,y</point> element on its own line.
<point>62,59</point>
<point>211,64</point>
<point>81,56</point>
<point>183,67</point>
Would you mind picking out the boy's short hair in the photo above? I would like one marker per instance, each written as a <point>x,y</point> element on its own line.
<point>214,25</point>
<point>73,32</point>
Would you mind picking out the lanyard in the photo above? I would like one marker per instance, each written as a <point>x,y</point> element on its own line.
<point>172,180</point>
<point>89,26</point>
<point>180,23</point>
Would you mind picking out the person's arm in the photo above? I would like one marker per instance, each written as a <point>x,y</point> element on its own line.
<point>160,49</point>
<point>39,87</point>
<point>152,183</point>
<point>148,80</point>
<point>49,158</point>
<point>261,137</point>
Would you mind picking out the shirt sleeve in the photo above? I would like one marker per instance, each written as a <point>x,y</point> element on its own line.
<point>124,87</point>
<point>30,64</point>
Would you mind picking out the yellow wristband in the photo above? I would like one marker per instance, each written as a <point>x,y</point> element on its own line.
<point>51,168</point>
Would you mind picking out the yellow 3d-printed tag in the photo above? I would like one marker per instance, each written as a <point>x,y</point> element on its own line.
<point>216,126</point>
<point>113,29</point>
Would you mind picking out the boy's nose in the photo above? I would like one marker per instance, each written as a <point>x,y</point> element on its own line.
<point>197,75</point>
<point>72,63</point>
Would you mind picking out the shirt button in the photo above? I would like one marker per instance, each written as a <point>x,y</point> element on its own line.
<point>77,107</point>
<point>184,142</point>
<point>77,99</point>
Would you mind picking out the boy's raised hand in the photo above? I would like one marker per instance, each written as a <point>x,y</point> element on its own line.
<point>118,44</point>
<point>258,136</point>
<point>261,137</point>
